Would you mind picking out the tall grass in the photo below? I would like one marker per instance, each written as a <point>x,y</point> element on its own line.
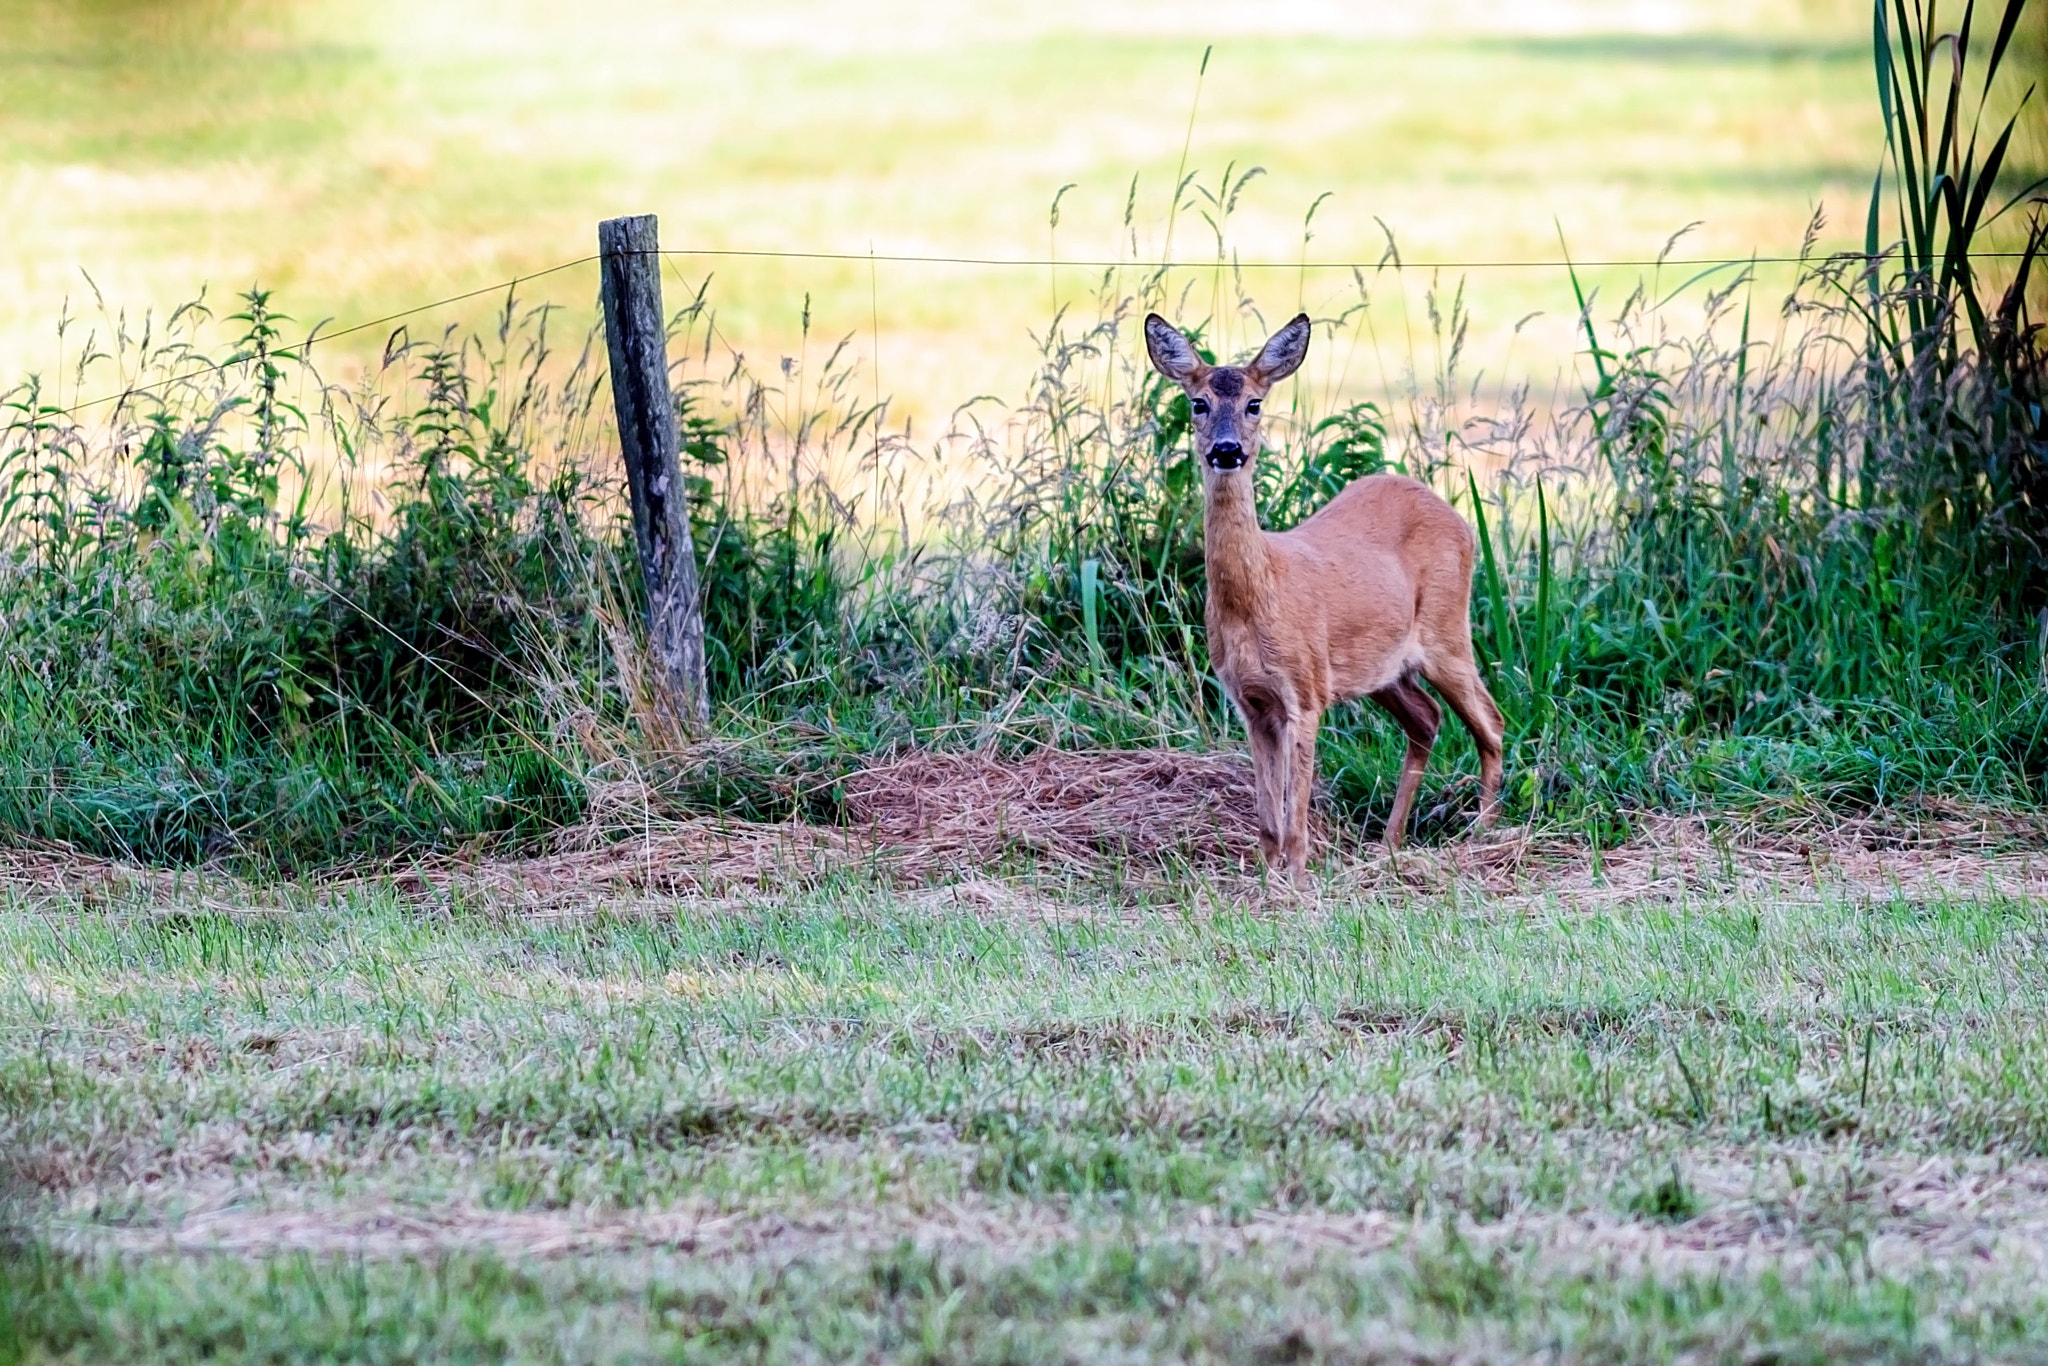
<point>211,649</point>
<point>1791,552</point>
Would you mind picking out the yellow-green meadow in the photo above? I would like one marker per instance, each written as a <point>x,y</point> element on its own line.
<point>364,158</point>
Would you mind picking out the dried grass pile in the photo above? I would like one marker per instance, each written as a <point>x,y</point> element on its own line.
<point>59,869</point>
<point>930,819</point>
<point>1144,807</point>
<point>914,820</point>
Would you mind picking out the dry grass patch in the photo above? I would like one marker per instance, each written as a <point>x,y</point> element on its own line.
<point>390,1229</point>
<point>980,829</point>
<point>1899,1217</point>
<point>948,821</point>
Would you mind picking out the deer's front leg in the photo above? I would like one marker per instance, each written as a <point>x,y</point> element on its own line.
<point>1301,776</point>
<point>1265,721</point>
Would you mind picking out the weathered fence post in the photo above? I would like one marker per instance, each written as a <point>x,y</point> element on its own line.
<point>636,332</point>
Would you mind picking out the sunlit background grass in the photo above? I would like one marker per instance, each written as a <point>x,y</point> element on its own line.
<point>361,158</point>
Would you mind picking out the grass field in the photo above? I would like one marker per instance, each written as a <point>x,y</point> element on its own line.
<point>1027,1121</point>
<point>365,158</point>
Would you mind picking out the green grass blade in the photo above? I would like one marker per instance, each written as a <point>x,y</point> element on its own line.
<point>1881,48</point>
<point>2006,24</point>
<point>1091,614</point>
<point>1947,148</point>
<point>1585,313</point>
<point>1540,661</point>
<point>1496,593</point>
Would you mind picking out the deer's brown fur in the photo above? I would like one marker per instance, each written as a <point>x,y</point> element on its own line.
<point>1364,599</point>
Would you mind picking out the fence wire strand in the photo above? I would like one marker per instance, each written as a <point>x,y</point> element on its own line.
<point>1400,263</point>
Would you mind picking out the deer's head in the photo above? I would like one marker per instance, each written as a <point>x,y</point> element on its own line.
<point>1225,398</point>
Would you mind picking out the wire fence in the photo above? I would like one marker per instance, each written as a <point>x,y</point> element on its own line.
<point>1390,258</point>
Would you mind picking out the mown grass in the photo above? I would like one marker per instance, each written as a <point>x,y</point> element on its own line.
<point>1112,1300</point>
<point>1163,1126</point>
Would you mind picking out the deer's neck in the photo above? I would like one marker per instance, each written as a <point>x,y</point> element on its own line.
<point>1234,551</point>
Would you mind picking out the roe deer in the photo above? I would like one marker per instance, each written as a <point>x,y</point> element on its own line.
<point>1371,592</point>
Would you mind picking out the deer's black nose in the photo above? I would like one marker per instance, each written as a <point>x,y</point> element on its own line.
<point>1226,455</point>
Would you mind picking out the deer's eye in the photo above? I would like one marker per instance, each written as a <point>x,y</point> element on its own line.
<point>1201,407</point>
<point>1252,408</point>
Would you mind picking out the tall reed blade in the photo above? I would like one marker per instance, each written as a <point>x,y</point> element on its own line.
<point>1496,657</point>
<point>1539,654</point>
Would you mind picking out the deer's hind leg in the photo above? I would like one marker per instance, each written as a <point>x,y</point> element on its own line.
<point>1456,676</point>
<point>1418,715</point>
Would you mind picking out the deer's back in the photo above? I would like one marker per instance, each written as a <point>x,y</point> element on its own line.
<point>1384,568</point>
<point>1392,518</point>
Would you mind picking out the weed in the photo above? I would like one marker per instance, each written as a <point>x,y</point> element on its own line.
<point>1668,1199</point>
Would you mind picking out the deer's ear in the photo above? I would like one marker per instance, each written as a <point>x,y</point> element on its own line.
<point>1283,353</point>
<point>1172,355</point>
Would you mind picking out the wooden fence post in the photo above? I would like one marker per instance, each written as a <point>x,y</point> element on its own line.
<point>636,333</point>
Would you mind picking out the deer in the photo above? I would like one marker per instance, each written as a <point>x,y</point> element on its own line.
<point>1367,598</point>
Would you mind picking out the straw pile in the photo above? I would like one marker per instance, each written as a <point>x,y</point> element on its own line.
<point>913,820</point>
<point>926,819</point>
<point>1143,807</point>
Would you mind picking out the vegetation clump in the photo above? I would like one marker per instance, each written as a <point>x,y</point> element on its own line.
<point>251,614</point>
